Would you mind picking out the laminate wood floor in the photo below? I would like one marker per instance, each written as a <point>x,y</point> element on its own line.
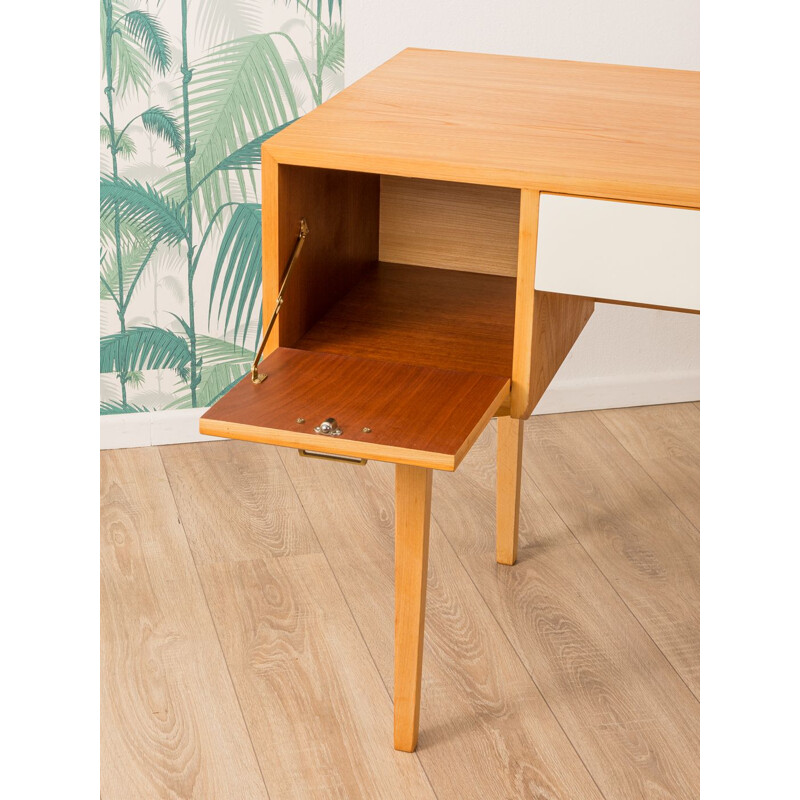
<point>247,622</point>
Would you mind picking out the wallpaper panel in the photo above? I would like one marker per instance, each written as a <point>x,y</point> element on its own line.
<point>190,90</point>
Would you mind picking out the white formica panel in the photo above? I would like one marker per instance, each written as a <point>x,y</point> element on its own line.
<point>619,251</point>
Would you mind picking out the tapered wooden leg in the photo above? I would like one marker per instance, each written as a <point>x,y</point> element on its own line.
<point>509,473</point>
<point>412,526</point>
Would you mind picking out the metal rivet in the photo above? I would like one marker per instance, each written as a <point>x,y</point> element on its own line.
<point>366,430</point>
<point>300,420</point>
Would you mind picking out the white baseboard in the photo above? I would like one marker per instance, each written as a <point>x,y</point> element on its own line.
<point>151,427</point>
<point>585,394</point>
<point>619,391</point>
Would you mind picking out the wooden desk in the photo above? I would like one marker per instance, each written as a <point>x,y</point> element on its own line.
<point>419,307</point>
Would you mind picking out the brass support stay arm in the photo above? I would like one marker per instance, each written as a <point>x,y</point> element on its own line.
<point>255,375</point>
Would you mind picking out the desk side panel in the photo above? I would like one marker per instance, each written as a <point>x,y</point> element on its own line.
<point>546,325</point>
<point>521,369</point>
<point>342,210</point>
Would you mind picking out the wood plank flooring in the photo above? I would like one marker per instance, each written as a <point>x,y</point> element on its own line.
<point>247,621</point>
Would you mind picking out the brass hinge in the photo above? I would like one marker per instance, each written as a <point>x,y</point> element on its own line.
<point>255,375</point>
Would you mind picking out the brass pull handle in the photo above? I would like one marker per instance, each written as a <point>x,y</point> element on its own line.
<point>332,457</point>
<point>255,375</point>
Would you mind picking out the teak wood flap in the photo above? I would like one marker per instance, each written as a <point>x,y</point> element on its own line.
<point>416,415</point>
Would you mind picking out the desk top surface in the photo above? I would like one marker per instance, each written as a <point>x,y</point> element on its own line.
<point>628,133</point>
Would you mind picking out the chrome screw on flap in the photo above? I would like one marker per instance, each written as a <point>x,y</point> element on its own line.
<point>328,427</point>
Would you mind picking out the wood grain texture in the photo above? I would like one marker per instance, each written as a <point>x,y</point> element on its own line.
<point>457,226</point>
<point>602,130</point>
<point>249,509</point>
<point>524,319</point>
<point>546,325</point>
<point>558,320</point>
<point>484,728</point>
<point>341,209</point>
<point>619,700</point>
<point>555,621</point>
<point>416,415</point>
<point>665,441</point>
<point>634,533</point>
<point>412,529</point>
<point>161,660</point>
<point>276,246</point>
<point>429,317</point>
<point>318,713</point>
<point>509,473</point>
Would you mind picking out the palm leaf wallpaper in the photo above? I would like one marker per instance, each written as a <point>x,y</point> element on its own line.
<point>190,90</point>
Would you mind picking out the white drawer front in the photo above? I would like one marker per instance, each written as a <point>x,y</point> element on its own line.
<point>619,251</point>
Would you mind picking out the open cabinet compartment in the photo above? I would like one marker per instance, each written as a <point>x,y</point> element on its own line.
<point>418,351</point>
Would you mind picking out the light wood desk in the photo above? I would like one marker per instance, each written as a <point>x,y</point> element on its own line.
<point>465,212</point>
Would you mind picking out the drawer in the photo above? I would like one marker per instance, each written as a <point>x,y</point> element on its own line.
<point>415,414</point>
<point>625,252</point>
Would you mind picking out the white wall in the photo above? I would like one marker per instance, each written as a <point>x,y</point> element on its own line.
<point>625,356</point>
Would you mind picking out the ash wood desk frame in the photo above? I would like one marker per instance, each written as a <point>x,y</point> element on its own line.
<point>423,185</point>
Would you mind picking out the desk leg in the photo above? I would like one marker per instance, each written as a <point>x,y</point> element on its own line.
<point>412,526</point>
<point>509,473</point>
